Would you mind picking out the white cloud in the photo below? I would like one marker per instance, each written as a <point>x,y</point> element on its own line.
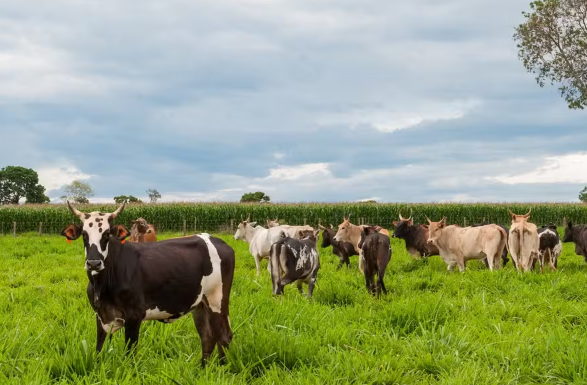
<point>279,155</point>
<point>299,171</point>
<point>569,168</point>
<point>396,118</point>
<point>53,178</point>
<point>30,71</point>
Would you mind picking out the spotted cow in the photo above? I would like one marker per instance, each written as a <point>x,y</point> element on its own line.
<point>295,260</point>
<point>550,247</point>
<point>134,282</point>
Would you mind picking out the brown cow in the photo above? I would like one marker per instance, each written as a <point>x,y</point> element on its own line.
<point>523,243</point>
<point>376,250</point>
<point>457,244</point>
<point>416,237</point>
<point>141,231</point>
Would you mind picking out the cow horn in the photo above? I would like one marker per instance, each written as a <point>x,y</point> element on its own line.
<point>428,219</point>
<point>411,214</point>
<point>528,215</point>
<point>75,211</point>
<point>118,210</point>
<point>400,216</point>
<point>511,214</point>
<point>248,218</point>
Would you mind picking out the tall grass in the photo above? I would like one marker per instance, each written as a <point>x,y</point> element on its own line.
<point>433,327</point>
<point>216,216</point>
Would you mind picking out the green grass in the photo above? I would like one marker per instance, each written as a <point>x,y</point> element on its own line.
<point>433,327</point>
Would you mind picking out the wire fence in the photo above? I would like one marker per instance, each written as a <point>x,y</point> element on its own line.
<point>195,225</point>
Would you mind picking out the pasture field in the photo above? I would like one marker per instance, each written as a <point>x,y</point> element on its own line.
<point>434,327</point>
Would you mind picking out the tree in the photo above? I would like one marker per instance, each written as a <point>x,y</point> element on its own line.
<point>552,44</point>
<point>583,195</point>
<point>128,199</point>
<point>78,192</point>
<point>256,197</point>
<point>153,195</point>
<point>18,182</point>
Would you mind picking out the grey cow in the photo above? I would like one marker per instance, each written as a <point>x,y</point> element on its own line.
<point>295,260</point>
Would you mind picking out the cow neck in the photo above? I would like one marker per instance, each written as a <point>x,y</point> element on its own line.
<point>118,271</point>
<point>251,231</point>
<point>577,230</point>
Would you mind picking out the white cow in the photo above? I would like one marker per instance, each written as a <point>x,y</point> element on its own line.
<point>260,240</point>
<point>290,231</point>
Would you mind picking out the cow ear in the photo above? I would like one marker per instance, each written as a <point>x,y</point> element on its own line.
<point>395,223</point>
<point>253,224</point>
<point>425,226</point>
<point>72,232</point>
<point>301,234</point>
<point>133,222</point>
<point>120,232</point>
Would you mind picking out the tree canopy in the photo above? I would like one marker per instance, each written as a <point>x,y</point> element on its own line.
<point>153,195</point>
<point>257,197</point>
<point>128,199</point>
<point>552,44</point>
<point>78,192</point>
<point>583,195</point>
<point>17,182</point>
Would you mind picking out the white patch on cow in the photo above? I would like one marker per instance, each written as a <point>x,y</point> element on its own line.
<point>93,272</point>
<point>305,253</point>
<point>93,231</point>
<point>557,250</point>
<point>156,314</point>
<point>112,327</point>
<point>211,284</point>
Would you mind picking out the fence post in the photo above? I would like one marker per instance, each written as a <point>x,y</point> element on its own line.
<point>232,225</point>
<point>184,228</point>
<point>40,228</point>
<point>195,225</point>
<point>564,221</point>
<point>304,221</point>
<point>14,229</point>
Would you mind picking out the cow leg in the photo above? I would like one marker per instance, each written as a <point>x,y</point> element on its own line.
<point>462,266</point>
<point>451,266</point>
<point>222,333</point>
<point>284,281</point>
<point>300,286</point>
<point>131,333</point>
<point>311,286</point>
<point>101,335</point>
<point>258,264</point>
<point>202,315</point>
<point>362,263</point>
<point>486,262</point>
<point>339,263</point>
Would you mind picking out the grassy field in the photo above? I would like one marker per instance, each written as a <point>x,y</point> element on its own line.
<point>434,327</point>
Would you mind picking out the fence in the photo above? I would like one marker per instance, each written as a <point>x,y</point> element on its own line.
<point>195,225</point>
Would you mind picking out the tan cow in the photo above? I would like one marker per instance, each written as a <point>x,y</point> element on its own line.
<point>290,231</point>
<point>523,242</point>
<point>347,232</point>
<point>141,231</point>
<point>458,244</point>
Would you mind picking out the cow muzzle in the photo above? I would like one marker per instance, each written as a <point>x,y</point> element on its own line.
<point>94,266</point>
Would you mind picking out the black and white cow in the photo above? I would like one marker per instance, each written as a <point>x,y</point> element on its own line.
<point>295,260</point>
<point>376,249</point>
<point>135,282</point>
<point>550,246</point>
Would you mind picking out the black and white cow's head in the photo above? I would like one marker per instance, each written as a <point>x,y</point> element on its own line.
<point>97,232</point>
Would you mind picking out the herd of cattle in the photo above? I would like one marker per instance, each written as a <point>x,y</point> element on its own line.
<point>146,279</point>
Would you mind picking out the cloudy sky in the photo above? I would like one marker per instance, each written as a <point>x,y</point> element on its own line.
<point>306,100</point>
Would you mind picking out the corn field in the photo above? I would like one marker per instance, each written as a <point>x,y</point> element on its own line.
<point>223,217</point>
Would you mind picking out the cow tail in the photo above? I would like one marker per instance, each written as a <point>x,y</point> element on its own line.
<point>504,238</point>
<point>274,258</point>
